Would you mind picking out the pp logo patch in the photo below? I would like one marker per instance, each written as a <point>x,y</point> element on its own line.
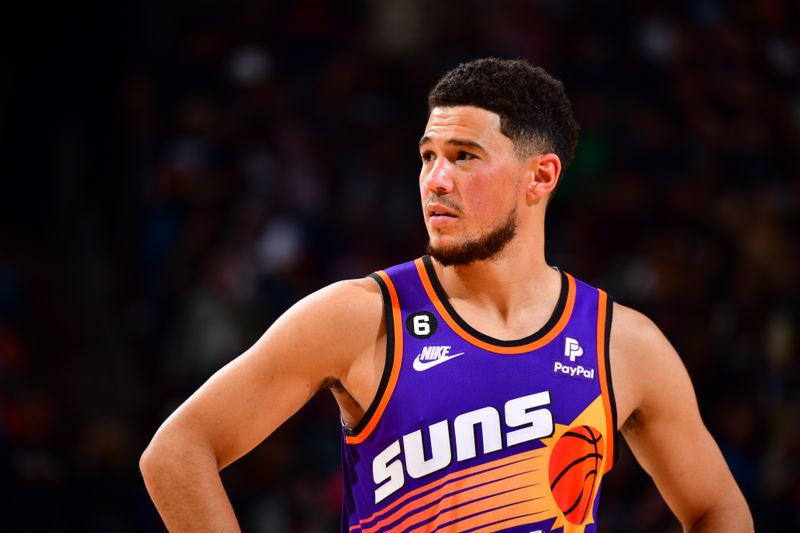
<point>421,324</point>
<point>572,349</point>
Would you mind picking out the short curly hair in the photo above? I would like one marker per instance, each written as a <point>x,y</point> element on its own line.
<point>534,110</point>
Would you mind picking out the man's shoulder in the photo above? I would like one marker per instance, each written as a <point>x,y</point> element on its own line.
<point>356,288</point>
<point>340,321</point>
<point>642,360</point>
<point>632,326</point>
<point>635,337</point>
<point>345,298</point>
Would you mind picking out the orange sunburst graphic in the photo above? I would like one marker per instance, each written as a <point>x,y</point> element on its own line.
<point>579,515</point>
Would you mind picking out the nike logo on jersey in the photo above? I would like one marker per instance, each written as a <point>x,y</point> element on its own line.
<point>432,356</point>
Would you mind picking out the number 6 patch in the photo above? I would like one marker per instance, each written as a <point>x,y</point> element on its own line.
<point>421,324</point>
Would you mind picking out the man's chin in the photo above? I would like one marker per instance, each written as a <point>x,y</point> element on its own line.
<point>484,248</point>
<point>457,255</point>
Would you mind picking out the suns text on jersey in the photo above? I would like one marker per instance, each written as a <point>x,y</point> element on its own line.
<point>526,419</point>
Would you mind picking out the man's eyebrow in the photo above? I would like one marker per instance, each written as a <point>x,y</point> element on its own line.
<point>455,142</point>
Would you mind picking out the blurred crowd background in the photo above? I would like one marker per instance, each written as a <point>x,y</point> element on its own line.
<point>175,174</point>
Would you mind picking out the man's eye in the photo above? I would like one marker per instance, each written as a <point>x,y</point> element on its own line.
<point>427,156</point>
<point>464,156</point>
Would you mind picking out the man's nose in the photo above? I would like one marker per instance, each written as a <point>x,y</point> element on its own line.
<point>440,180</point>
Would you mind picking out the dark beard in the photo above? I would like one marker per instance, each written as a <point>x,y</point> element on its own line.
<point>485,247</point>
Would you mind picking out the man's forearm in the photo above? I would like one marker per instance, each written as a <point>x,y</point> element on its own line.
<point>184,484</point>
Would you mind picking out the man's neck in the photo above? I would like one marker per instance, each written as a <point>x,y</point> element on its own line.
<point>504,286</point>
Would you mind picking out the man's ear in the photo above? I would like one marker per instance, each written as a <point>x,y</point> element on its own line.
<point>543,173</point>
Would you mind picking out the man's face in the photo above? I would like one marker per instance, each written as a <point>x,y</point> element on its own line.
<point>469,185</point>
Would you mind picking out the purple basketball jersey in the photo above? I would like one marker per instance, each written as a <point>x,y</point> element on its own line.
<point>472,433</point>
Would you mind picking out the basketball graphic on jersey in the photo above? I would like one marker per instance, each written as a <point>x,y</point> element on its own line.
<point>573,471</point>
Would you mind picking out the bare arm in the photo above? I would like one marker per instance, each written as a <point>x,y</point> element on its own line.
<point>665,432</point>
<point>250,397</point>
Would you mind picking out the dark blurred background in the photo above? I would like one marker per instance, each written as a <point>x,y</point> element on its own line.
<point>175,174</point>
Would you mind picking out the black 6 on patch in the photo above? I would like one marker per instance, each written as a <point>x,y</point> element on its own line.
<point>421,324</point>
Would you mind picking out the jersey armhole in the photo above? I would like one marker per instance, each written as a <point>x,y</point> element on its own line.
<point>391,368</point>
<point>604,319</point>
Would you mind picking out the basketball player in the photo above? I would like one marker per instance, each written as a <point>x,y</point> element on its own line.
<point>480,389</point>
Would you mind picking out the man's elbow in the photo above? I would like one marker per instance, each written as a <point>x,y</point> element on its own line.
<point>164,454</point>
<point>153,460</point>
<point>175,450</point>
<point>734,517</point>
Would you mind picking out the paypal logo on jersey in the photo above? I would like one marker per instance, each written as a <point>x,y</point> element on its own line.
<point>573,350</point>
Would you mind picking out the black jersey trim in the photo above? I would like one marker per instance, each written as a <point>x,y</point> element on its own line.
<point>544,330</point>
<point>388,314</point>
<point>609,382</point>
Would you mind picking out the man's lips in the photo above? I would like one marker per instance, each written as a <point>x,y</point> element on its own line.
<point>438,210</point>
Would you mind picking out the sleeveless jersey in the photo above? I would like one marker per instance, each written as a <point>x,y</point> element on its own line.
<point>472,433</point>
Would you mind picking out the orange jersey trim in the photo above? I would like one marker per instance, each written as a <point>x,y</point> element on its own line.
<point>601,368</point>
<point>397,325</point>
<point>549,336</point>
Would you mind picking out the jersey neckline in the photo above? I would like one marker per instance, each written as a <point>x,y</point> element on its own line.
<point>558,319</point>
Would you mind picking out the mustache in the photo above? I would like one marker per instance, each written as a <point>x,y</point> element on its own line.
<point>445,201</point>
